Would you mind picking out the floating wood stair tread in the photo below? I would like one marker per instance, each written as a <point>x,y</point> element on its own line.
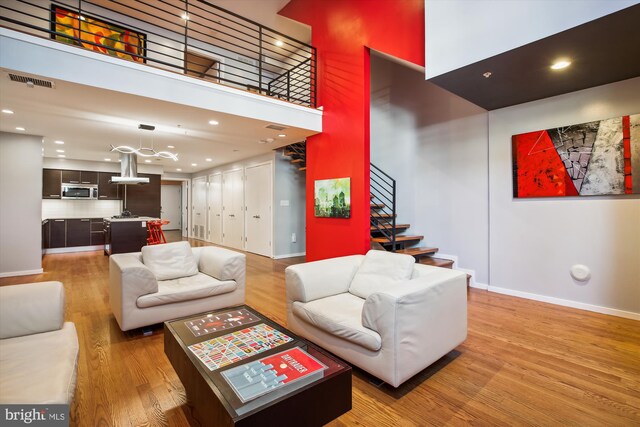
<point>297,161</point>
<point>302,168</point>
<point>399,239</point>
<point>418,252</point>
<point>399,227</point>
<point>436,262</point>
<point>290,153</point>
<point>377,205</point>
<point>382,215</point>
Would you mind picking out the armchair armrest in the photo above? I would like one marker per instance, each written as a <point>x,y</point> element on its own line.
<point>421,319</point>
<point>131,275</point>
<point>223,264</point>
<point>31,309</point>
<point>319,279</point>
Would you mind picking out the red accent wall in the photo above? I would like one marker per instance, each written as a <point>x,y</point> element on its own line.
<point>343,32</point>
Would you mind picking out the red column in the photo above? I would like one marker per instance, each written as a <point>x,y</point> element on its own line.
<point>344,32</point>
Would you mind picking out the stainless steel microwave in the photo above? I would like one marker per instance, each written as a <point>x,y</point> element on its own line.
<point>75,191</point>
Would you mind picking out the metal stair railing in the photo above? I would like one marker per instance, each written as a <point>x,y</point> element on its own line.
<point>383,191</point>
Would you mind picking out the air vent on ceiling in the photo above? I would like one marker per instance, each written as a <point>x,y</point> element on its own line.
<point>275,127</point>
<point>31,81</point>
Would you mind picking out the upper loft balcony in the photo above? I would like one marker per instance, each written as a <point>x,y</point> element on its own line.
<point>192,38</point>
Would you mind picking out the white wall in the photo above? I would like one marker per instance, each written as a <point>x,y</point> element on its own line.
<point>434,144</point>
<point>289,208</point>
<point>461,32</point>
<point>20,199</point>
<point>534,242</point>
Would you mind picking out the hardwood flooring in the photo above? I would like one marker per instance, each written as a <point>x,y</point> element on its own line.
<point>523,363</point>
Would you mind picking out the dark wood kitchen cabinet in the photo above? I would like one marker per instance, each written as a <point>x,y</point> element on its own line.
<point>57,233</point>
<point>78,232</point>
<point>144,199</point>
<point>107,190</point>
<point>51,184</point>
<point>88,177</point>
<point>79,177</point>
<point>97,231</point>
<point>71,177</point>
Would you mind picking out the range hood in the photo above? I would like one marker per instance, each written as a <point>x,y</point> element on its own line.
<point>128,171</point>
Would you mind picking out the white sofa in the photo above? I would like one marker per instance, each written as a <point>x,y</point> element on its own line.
<point>172,280</point>
<point>380,312</point>
<point>38,349</point>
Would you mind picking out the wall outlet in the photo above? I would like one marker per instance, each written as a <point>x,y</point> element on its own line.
<point>293,237</point>
<point>284,203</point>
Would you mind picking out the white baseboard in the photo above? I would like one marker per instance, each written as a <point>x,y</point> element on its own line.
<point>566,303</point>
<point>289,255</point>
<point>74,249</point>
<point>478,285</point>
<point>453,258</point>
<point>22,273</point>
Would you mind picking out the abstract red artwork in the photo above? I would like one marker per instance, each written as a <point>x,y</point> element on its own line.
<point>588,159</point>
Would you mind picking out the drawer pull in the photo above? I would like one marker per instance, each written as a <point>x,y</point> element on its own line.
<point>102,197</point>
<point>54,195</point>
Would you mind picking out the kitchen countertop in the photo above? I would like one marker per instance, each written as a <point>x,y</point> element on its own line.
<point>140,218</point>
<point>93,218</point>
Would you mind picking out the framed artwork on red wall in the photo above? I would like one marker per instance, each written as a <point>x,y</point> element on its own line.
<point>587,159</point>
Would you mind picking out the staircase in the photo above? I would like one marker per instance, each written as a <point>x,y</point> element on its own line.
<point>386,233</point>
<point>298,155</point>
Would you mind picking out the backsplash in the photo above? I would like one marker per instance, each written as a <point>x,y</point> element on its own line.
<point>80,208</point>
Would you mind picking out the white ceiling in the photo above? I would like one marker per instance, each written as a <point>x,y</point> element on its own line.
<point>89,120</point>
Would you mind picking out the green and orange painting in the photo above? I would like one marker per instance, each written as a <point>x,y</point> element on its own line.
<point>332,198</point>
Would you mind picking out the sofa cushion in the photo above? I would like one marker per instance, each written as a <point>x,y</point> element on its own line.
<point>170,260</point>
<point>45,376</point>
<point>380,270</point>
<point>339,315</point>
<point>185,289</point>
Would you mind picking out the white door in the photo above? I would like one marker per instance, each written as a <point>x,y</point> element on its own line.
<point>185,208</point>
<point>232,209</point>
<point>199,207</point>
<point>171,206</point>
<point>258,184</point>
<point>214,199</point>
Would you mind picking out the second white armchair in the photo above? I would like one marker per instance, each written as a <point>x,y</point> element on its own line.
<point>380,312</point>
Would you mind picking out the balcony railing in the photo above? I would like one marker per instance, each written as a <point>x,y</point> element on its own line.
<point>191,37</point>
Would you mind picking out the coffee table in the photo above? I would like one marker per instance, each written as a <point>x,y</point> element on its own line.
<point>313,401</point>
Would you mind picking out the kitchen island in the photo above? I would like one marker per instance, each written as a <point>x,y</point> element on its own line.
<point>123,235</point>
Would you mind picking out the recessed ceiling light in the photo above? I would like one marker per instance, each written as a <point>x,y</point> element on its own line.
<point>209,160</point>
<point>279,43</point>
<point>559,65</point>
<point>147,161</point>
<point>179,170</point>
<point>213,122</point>
<point>107,159</point>
<point>7,111</point>
<point>171,146</point>
<point>59,142</point>
<point>282,135</point>
<point>61,155</point>
<point>194,164</point>
<point>20,128</point>
<point>59,151</point>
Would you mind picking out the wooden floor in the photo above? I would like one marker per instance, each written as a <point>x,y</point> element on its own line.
<point>523,363</point>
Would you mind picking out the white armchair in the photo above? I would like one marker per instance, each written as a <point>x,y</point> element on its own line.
<point>38,349</point>
<point>172,280</point>
<point>381,312</point>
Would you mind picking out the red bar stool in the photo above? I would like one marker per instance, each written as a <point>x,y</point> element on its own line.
<point>156,235</point>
